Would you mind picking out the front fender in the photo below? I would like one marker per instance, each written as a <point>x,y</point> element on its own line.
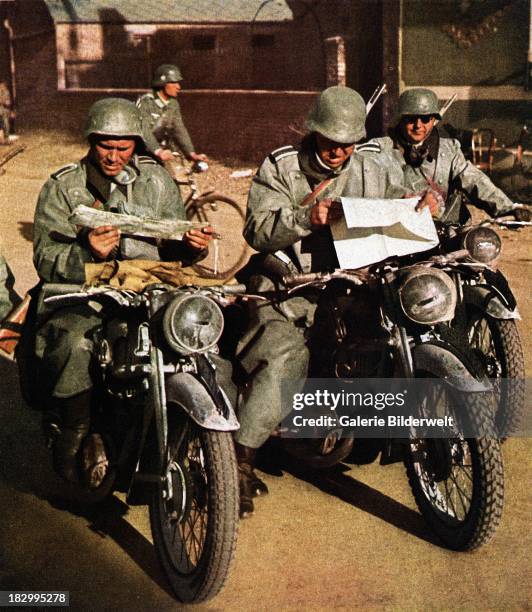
<point>443,363</point>
<point>187,391</point>
<point>489,301</point>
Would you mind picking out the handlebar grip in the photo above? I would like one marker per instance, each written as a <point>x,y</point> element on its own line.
<point>49,289</point>
<point>232,289</point>
<point>291,280</point>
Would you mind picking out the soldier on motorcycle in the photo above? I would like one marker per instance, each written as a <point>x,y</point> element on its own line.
<point>112,176</point>
<point>290,206</point>
<point>416,154</point>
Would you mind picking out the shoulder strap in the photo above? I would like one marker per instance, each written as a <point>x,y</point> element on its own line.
<point>311,197</point>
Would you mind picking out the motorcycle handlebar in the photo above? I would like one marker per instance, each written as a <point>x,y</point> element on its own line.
<point>354,276</point>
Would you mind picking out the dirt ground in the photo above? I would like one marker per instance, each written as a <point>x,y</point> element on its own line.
<point>348,538</point>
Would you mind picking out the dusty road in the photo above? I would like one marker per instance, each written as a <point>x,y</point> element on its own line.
<point>348,538</point>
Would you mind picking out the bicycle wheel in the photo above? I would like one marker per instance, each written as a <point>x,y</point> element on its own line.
<point>228,254</point>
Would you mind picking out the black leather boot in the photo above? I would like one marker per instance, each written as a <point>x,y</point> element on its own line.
<point>250,484</point>
<point>75,421</point>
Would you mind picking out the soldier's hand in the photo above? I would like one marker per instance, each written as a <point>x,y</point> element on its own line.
<point>164,154</point>
<point>523,214</point>
<point>199,239</point>
<point>102,240</point>
<point>429,200</point>
<point>196,157</point>
<point>325,211</point>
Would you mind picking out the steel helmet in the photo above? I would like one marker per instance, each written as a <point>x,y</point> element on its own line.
<point>339,114</point>
<point>419,101</point>
<point>114,117</point>
<point>166,73</point>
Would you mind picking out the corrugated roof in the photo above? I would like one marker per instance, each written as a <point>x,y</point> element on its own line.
<point>168,11</point>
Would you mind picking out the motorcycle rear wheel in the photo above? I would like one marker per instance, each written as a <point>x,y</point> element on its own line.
<point>195,530</point>
<point>458,482</point>
<point>498,345</point>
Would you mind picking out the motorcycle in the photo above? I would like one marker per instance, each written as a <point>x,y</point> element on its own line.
<point>393,321</point>
<point>161,426</point>
<point>486,315</point>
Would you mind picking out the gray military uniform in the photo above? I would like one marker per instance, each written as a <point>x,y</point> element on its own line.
<point>8,298</point>
<point>274,345</point>
<point>166,117</point>
<point>64,341</point>
<point>446,171</point>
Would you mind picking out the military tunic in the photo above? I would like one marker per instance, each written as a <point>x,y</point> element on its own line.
<point>8,297</point>
<point>446,171</point>
<point>274,345</point>
<point>157,114</point>
<point>64,341</point>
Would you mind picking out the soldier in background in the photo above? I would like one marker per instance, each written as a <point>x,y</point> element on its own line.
<point>5,114</point>
<point>162,123</point>
<point>416,154</point>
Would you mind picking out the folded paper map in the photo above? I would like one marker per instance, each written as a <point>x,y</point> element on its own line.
<point>132,225</point>
<point>373,230</point>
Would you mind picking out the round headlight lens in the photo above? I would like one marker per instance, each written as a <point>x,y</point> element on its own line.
<point>192,323</point>
<point>428,296</point>
<point>483,244</point>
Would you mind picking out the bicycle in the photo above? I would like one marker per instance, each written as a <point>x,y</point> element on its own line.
<point>228,254</point>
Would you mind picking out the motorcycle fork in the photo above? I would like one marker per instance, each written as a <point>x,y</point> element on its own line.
<point>394,449</point>
<point>398,331</point>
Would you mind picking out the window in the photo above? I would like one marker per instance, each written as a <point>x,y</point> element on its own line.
<point>204,43</point>
<point>262,40</point>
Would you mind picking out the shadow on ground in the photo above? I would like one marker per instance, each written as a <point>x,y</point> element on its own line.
<point>25,468</point>
<point>334,481</point>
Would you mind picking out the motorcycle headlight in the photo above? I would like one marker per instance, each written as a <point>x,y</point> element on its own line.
<point>192,323</point>
<point>483,244</point>
<point>428,296</point>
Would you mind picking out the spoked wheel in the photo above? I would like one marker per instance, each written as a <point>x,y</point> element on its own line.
<point>498,346</point>
<point>194,517</point>
<point>227,255</point>
<point>458,482</point>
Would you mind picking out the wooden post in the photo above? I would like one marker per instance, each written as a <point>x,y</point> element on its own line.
<point>335,61</point>
<point>391,22</point>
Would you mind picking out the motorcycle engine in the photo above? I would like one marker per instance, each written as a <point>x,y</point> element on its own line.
<point>348,340</point>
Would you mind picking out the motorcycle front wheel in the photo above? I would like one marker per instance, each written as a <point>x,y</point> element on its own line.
<point>194,518</point>
<point>458,482</point>
<point>498,345</point>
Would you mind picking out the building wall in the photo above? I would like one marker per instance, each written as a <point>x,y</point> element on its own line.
<point>258,56</point>
<point>239,124</point>
<point>475,49</point>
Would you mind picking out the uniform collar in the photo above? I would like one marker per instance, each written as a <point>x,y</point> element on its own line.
<point>159,101</point>
<point>312,165</point>
<point>417,154</point>
<point>102,186</point>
